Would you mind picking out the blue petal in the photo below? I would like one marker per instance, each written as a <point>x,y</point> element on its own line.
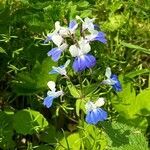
<point>90,118</point>
<point>102,114</point>
<point>117,86</point>
<point>90,61</point>
<point>83,62</point>
<point>96,27</point>
<point>96,115</point>
<point>53,72</point>
<point>72,24</point>
<point>48,101</point>
<point>100,37</point>
<point>55,53</point>
<point>79,64</point>
<point>49,38</point>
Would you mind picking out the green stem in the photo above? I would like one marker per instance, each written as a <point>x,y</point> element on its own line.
<point>81,97</point>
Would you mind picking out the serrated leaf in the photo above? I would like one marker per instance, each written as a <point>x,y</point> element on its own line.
<point>125,101</point>
<point>132,107</point>
<point>29,122</point>
<point>123,137</point>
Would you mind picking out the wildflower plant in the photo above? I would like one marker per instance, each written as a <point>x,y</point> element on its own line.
<point>75,41</point>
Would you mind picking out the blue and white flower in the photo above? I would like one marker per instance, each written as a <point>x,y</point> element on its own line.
<point>82,60</point>
<point>56,52</point>
<point>55,32</point>
<point>112,80</point>
<point>61,69</point>
<point>51,94</point>
<point>96,36</point>
<point>87,23</point>
<point>94,112</point>
<point>67,31</point>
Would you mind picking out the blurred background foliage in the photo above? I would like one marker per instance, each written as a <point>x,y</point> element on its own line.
<point>24,67</point>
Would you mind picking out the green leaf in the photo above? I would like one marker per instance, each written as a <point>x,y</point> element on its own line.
<point>115,22</point>
<point>94,138</point>
<point>86,13</point>
<point>136,47</point>
<point>124,102</point>
<point>83,4</point>
<point>28,83</point>
<point>6,130</point>
<point>49,135</point>
<point>131,107</point>
<point>72,142</point>
<point>137,73</point>
<point>73,90</point>
<point>123,137</point>
<point>24,84</point>
<point>142,102</point>
<point>78,103</point>
<point>29,122</point>
<point>42,73</point>
<point>2,50</point>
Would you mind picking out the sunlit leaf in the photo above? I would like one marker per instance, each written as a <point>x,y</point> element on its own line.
<point>28,121</point>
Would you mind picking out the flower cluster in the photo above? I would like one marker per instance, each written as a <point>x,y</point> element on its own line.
<point>80,34</point>
<point>80,44</point>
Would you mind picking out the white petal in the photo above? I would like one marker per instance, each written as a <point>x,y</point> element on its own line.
<point>84,46</point>
<point>63,46</point>
<point>60,70</point>
<point>74,50</point>
<point>108,72</point>
<point>51,85</point>
<point>57,26</point>
<point>58,93</point>
<point>88,24</point>
<point>100,102</point>
<point>90,106</point>
<point>55,94</point>
<point>107,81</point>
<point>64,32</point>
<point>57,39</point>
